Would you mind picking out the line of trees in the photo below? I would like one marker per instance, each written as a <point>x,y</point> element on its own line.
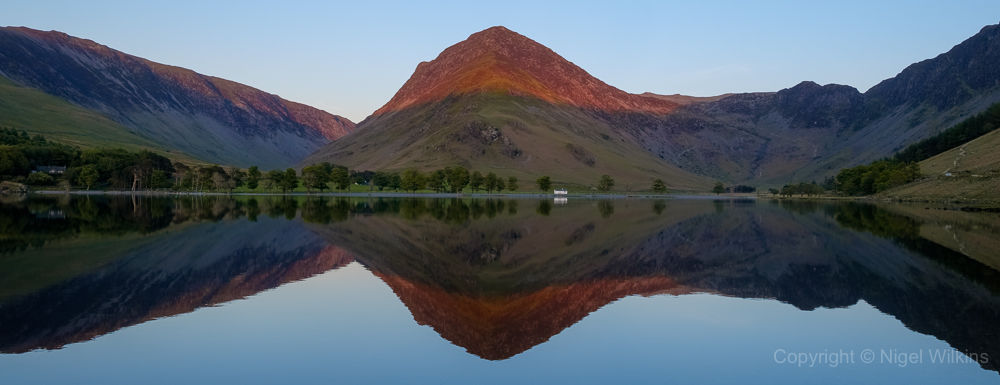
<point>903,167</point>
<point>451,179</point>
<point>952,137</point>
<point>720,188</point>
<point>876,177</point>
<point>801,188</point>
<point>36,161</point>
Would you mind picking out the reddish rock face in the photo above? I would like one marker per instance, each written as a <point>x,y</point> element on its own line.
<point>500,60</point>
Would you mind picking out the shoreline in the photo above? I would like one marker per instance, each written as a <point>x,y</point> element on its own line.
<point>398,194</point>
<point>940,204</point>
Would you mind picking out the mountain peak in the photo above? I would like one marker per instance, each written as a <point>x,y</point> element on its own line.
<point>496,30</point>
<point>500,60</point>
<point>501,37</point>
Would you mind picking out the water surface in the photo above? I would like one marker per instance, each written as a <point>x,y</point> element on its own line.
<point>335,290</point>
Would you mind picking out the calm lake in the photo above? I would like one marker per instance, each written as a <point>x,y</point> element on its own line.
<point>124,290</point>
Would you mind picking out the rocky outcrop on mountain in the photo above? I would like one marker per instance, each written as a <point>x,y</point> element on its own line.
<point>212,119</point>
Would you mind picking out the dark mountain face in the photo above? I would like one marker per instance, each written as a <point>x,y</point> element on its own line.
<point>210,118</point>
<point>754,137</point>
<point>809,131</point>
<point>962,74</point>
<point>809,105</point>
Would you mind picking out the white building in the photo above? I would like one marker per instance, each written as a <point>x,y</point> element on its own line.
<point>560,192</point>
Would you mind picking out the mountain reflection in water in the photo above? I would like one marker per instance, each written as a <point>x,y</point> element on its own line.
<point>494,276</point>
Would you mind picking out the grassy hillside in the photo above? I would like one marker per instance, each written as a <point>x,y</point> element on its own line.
<point>974,169</point>
<point>36,112</point>
<point>508,135</point>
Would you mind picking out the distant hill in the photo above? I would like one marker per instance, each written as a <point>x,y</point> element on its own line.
<point>209,118</point>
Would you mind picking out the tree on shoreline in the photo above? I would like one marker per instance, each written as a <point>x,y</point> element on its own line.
<point>315,177</point>
<point>606,183</point>
<point>659,186</point>
<point>457,178</point>
<point>491,182</point>
<point>476,181</point>
<point>340,177</point>
<point>412,180</point>
<point>499,184</point>
<point>272,179</point>
<point>288,180</point>
<point>436,181</point>
<point>88,176</point>
<point>544,183</point>
<point>253,177</point>
<point>719,188</point>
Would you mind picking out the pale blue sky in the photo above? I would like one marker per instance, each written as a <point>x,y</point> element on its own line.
<point>349,58</point>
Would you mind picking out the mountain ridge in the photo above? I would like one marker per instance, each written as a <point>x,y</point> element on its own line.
<point>809,132</point>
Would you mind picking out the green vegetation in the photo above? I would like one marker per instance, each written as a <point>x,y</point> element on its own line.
<point>658,186</point>
<point>806,189</point>
<point>903,169</point>
<point>60,121</point>
<point>476,181</point>
<point>744,189</point>
<point>606,183</point>
<point>954,136</point>
<point>878,176</point>
<point>412,180</point>
<point>253,177</point>
<point>969,173</point>
<point>719,188</point>
<point>544,183</point>
<point>317,176</point>
<point>494,183</point>
<point>39,162</point>
<point>456,178</point>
